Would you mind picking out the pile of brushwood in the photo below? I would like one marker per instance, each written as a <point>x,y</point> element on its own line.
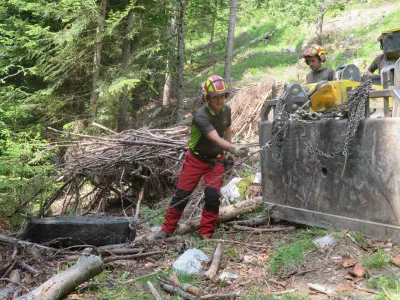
<point>118,165</point>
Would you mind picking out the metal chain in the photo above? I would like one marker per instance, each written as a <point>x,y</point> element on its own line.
<point>280,127</point>
<point>355,107</point>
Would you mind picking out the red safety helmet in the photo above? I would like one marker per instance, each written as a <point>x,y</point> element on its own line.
<point>214,86</point>
<point>314,50</point>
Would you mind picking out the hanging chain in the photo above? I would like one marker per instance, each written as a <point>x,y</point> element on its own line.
<point>355,108</point>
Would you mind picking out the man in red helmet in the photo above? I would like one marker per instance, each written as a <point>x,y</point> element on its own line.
<point>315,56</point>
<point>210,137</point>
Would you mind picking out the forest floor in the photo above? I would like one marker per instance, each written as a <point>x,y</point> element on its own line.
<point>268,266</point>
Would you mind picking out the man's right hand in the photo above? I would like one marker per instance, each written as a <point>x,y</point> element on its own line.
<point>238,150</point>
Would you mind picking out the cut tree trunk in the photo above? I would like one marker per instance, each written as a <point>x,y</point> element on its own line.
<point>181,54</point>
<point>97,59</point>
<point>126,52</point>
<point>65,282</point>
<point>166,101</point>
<point>225,214</point>
<point>230,41</point>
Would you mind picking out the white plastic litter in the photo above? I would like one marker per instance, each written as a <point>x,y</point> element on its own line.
<point>230,192</point>
<point>190,262</point>
<point>257,178</point>
<point>155,229</point>
<point>227,275</point>
<point>325,241</point>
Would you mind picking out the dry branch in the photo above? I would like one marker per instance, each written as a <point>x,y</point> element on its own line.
<point>154,291</point>
<point>261,230</point>
<point>232,295</point>
<point>66,281</point>
<point>11,240</point>
<point>324,290</point>
<point>212,272</point>
<point>15,279</point>
<point>251,222</point>
<point>184,286</point>
<point>125,257</point>
<point>177,291</point>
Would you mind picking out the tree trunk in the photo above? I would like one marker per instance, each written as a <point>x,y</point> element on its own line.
<point>181,53</point>
<point>97,60</point>
<point>320,21</point>
<point>214,18</point>
<point>166,102</point>
<point>229,43</point>
<point>126,52</point>
<point>66,281</point>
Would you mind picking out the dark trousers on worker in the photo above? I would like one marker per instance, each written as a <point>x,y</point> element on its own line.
<point>192,170</point>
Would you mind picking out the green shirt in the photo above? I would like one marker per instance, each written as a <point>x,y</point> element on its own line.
<point>205,121</point>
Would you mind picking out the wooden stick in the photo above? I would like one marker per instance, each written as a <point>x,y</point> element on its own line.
<point>237,243</point>
<point>141,195</point>
<point>104,128</point>
<point>175,290</point>
<point>324,290</point>
<point>11,240</point>
<point>184,286</point>
<point>28,268</point>
<point>232,295</point>
<point>124,257</point>
<point>366,290</point>
<point>154,291</point>
<point>283,292</point>
<point>281,283</point>
<point>261,230</point>
<point>212,272</point>
<point>15,277</point>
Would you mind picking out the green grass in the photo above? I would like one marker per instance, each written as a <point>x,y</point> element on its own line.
<point>359,238</point>
<point>388,286</point>
<point>378,260</point>
<point>287,255</point>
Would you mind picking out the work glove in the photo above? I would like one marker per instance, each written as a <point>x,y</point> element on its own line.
<point>239,151</point>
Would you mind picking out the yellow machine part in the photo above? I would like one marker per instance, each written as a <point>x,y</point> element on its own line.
<point>336,92</point>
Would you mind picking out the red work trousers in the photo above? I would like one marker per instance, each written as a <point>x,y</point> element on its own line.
<point>192,171</point>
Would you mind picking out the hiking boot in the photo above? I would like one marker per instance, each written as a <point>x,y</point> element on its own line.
<point>161,235</point>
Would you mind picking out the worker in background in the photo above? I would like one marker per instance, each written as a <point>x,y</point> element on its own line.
<point>210,136</point>
<point>315,56</point>
<point>378,63</point>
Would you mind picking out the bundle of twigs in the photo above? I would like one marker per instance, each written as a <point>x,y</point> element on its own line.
<point>121,164</point>
<point>247,105</point>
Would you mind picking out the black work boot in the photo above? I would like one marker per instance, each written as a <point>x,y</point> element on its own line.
<point>160,235</point>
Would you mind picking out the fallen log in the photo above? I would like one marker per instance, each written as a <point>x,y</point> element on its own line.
<point>65,282</point>
<point>14,279</point>
<point>212,272</point>
<point>225,214</point>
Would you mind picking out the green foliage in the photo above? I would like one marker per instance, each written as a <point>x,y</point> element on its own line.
<point>287,255</point>
<point>378,260</point>
<point>359,238</point>
<point>387,285</point>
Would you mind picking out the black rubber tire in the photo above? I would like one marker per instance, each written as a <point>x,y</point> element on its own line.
<point>96,231</point>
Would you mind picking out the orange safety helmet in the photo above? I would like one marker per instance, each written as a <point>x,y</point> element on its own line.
<point>314,50</point>
<point>214,86</point>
